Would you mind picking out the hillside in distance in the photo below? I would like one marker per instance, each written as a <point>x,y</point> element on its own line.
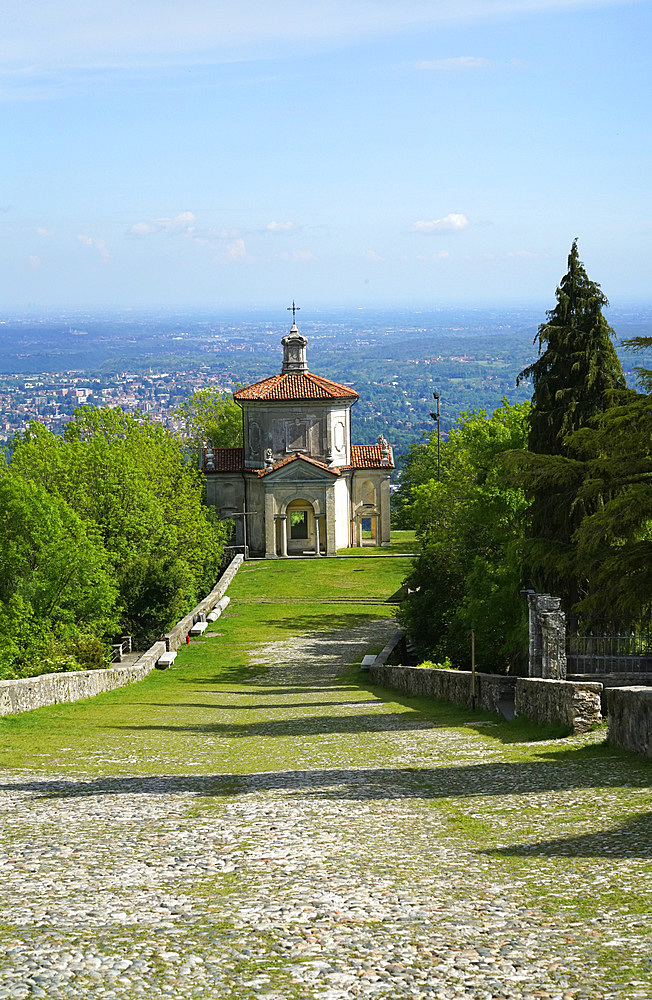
<point>394,359</point>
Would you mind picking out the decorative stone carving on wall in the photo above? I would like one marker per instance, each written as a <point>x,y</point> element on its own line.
<point>338,436</point>
<point>296,435</point>
<point>254,439</point>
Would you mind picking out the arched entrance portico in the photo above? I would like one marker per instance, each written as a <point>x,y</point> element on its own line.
<point>300,529</point>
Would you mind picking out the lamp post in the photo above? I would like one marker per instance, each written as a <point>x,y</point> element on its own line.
<point>435,417</point>
<point>473,669</point>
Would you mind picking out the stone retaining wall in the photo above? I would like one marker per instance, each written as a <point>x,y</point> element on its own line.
<point>52,689</point>
<point>575,705</point>
<point>29,693</point>
<point>448,685</point>
<point>612,681</point>
<point>630,718</point>
<point>177,635</point>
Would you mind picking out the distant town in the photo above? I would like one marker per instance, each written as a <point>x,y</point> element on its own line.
<point>50,398</point>
<point>395,360</point>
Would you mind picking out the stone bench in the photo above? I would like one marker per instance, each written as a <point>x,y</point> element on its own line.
<point>198,628</point>
<point>165,661</point>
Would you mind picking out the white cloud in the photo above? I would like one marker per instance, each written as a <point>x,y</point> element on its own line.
<point>42,231</point>
<point>296,256</point>
<point>35,262</point>
<point>97,244</point>
<point>451,223</point>
<point>143,229</point>
<point>236,250</point>
<point>372,255</point>
<point>279,227</point>
<point>441,255</point>
<point>178,225</point>
<point>457,62</point>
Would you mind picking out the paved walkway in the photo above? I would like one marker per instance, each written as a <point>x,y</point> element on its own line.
<point>341,878</point>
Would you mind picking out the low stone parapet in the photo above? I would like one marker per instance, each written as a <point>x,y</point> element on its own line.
<point>177,635</point>
<point>447,685</point>
<point>575,704</point>
<point>630,718</point>
<point>28,693</point>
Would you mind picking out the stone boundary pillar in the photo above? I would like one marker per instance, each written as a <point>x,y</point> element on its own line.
<point>547,628</point>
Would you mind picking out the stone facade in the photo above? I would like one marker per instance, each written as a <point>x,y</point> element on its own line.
<point>299,486</point>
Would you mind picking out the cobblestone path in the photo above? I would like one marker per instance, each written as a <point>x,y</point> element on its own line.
<point>340,877</point>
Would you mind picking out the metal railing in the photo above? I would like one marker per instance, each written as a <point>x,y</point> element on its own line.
<point>120,649</point>
<point>608,645</point>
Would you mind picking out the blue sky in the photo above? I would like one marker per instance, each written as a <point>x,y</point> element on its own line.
<point>340,152</point>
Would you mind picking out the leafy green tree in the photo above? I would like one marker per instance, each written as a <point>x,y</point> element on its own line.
<point>157,592</point>
<point>418,467</point>
<point>574,379</point>
<point>58,596</point>
<point>51,559</point>
<point>25,639</point>
<point>470,527</point>
<point>128,480</point>
<point>210,415</point>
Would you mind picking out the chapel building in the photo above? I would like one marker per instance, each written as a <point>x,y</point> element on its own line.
<point>298,486</point>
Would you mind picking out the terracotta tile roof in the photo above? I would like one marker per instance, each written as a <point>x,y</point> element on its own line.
<point>225,459</point>
<point>369,456</point>
<point>297,457</point>
<point>363,456</point>
<point>296,385</point>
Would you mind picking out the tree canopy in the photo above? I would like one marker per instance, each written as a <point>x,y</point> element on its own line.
<point>576,377</point>
<point>120,499</point>
<point>614,540</point>
<point>210,415</point>
<point>577,366</point>
<point>470,528</point>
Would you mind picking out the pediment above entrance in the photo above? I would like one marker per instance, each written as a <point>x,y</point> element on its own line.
<point>301,469</point>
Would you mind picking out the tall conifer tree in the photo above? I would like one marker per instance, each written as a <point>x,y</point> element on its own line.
<point>574,379</point>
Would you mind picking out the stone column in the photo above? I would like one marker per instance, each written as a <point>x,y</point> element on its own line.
<point>283,518</point>
<point>384,519</point>
<point>547,628</point>
<point>329,523</point>
<point>318,518</point>
<point>270,527</point>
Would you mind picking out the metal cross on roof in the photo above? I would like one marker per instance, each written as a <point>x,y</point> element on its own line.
<point>295,310</point>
